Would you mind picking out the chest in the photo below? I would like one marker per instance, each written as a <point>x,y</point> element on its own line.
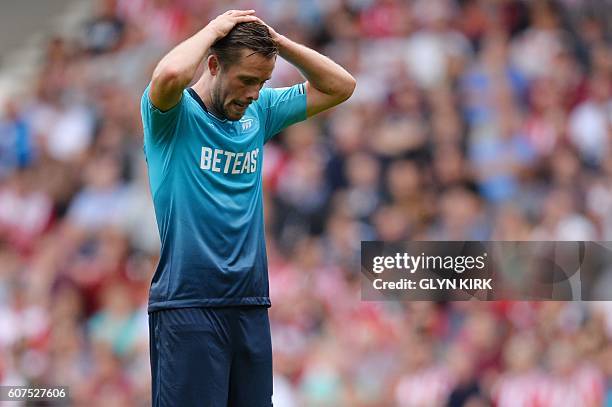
<point>227,148</point>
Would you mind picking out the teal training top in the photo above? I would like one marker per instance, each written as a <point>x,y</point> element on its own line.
<point>205,175</point>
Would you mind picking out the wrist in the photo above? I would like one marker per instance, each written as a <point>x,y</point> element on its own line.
<point>281,42</point>
<point>211,33</point>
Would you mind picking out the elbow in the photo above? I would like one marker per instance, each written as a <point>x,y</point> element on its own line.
<point>167,76</point>
<point>347,88</point>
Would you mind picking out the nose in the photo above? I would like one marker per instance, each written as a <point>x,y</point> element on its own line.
<point>253,94</point>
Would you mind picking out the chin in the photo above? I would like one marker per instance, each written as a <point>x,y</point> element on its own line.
<point>233,116</point>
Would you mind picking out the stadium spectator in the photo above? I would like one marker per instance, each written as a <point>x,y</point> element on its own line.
<point>472,120</point>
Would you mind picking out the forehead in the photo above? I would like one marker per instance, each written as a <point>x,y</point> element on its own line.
<point>254,65</point>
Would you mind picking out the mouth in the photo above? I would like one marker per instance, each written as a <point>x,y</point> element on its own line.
<point>241,105</point>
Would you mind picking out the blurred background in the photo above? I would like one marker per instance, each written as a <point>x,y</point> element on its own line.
<point>472,120</point>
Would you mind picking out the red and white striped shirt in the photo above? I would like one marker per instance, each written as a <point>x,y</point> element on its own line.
<point>427,387</point>
<point>583,388</point>
<point>518,390</point>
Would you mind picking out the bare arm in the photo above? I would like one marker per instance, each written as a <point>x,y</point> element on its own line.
<point>177,68</point>
<point>328,84</point>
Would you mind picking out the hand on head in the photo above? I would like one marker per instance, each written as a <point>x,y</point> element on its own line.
<point>224,23</point>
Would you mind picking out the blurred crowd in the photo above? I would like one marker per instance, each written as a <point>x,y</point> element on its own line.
<point>472,120</point>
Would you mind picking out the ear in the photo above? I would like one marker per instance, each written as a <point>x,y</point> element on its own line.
<point>213,64</point>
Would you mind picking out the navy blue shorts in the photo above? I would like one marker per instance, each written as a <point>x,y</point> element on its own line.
<point>211,357</point>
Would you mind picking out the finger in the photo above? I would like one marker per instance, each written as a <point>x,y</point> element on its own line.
<point>240,12</point>
<point>260,21</point>
<point>244,19</point>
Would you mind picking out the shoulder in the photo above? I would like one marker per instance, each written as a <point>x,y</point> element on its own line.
<point>270,97</point>
<point>147,104</point>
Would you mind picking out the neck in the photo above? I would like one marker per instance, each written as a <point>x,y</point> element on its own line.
<point>204,89</point>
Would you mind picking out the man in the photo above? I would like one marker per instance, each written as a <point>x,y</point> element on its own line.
<point>208,318</point>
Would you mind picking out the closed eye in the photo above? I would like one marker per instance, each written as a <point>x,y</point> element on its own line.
<point>253,81</point>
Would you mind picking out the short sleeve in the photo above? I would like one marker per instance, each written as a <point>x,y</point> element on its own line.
<point>158,125</point>
<point>282,107</point>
